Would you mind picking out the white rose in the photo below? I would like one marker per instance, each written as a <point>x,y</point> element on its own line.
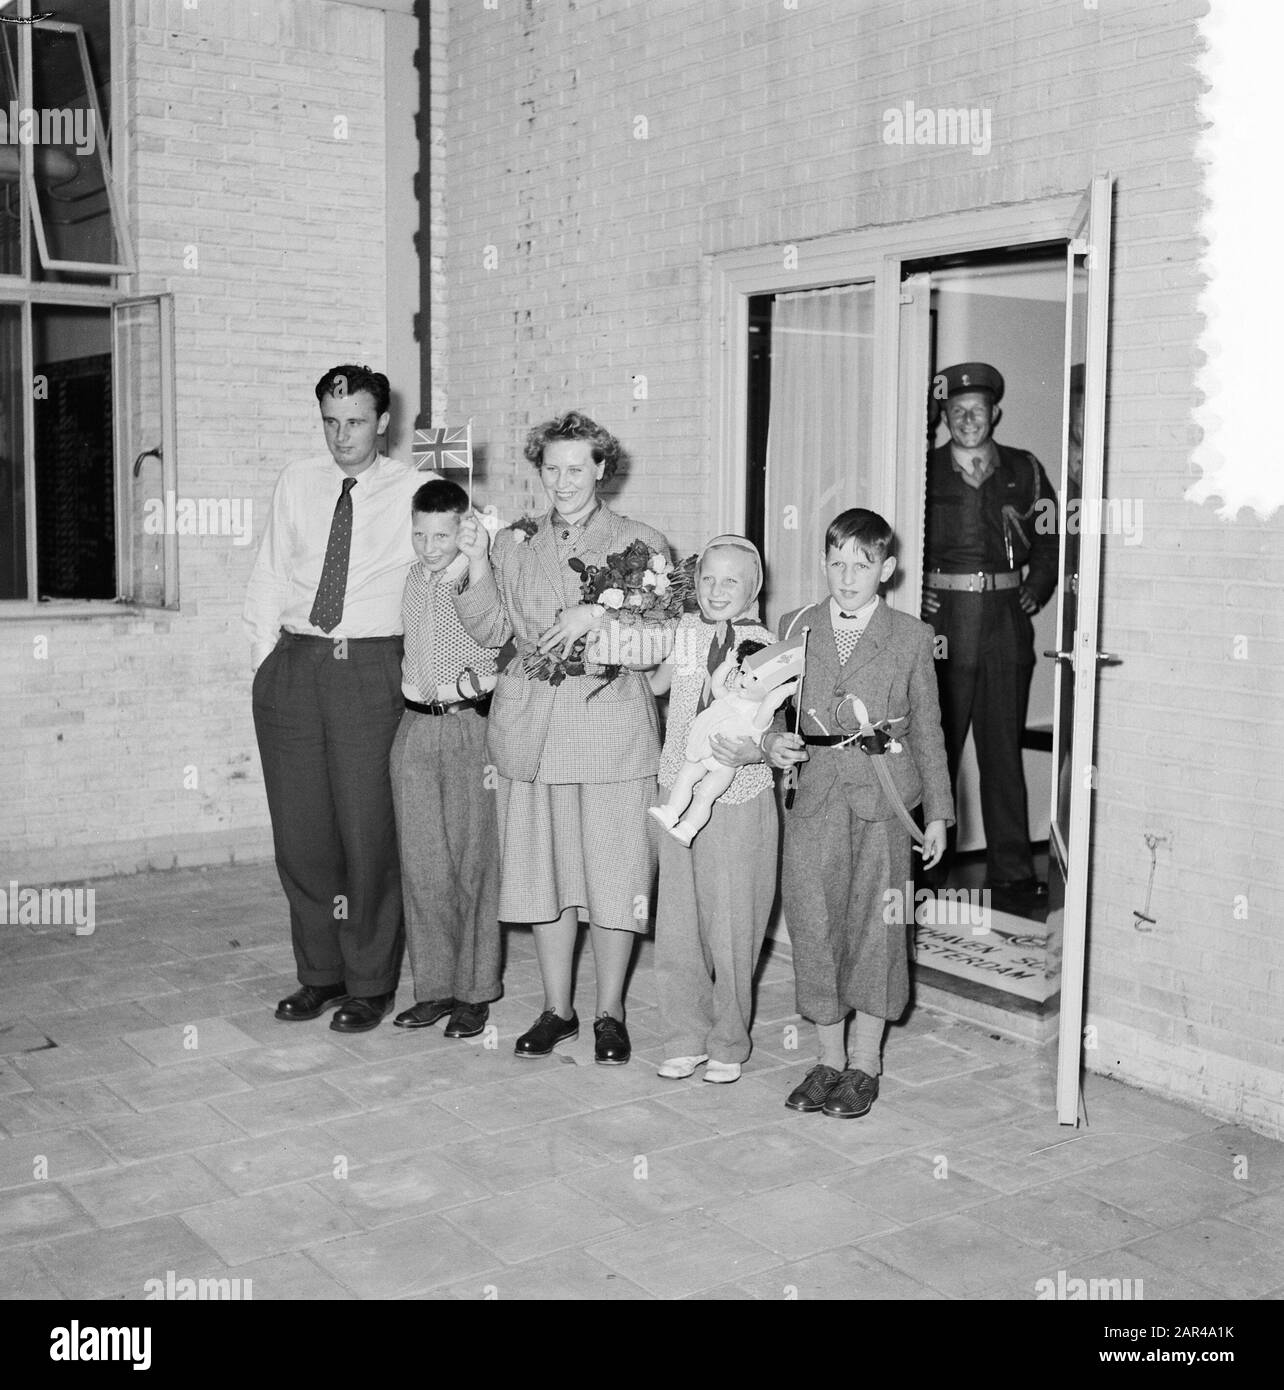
<point>649,580</point>
<point>658,564</point>
<point>662,583</point>
<point>612,598</point>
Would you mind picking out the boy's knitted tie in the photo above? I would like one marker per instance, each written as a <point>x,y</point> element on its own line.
<point>327,607</point>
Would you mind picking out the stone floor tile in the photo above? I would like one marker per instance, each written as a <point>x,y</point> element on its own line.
<point>214,1001</point>
<point>779,1154</point>
<point>634,1127</point>
<point>226,968</point>
<point>1229,1258</point>
<point>12,1081</point>
<point>174,1129</point>
<point>956,1255</point>
<point>1263,1214</point>
<point>535,1221</point>
<point>37,1212</point>
<point>801,1219</point>
<point>526,1157</point>
<point>76,1027</point>
<point>161,1086</point>
<point>250,1165</point>
<point>749,1103</point>
<point>402,1259</point>
<point>53,1155</point>
<point>289,1277</point>
<point>198,1039</point>
<point>61,1065</point>
<point>510,1104</point>
<point>399,1080</point>
<point>378,1193</point>
<point>1063,1222</point>
<point>1230,1151</point>
<point>917,1185</point>
<point>950,1108</point>
<point>262,1066</point>
<point>59,1107</point>
<point>270,1109</point>
<point>654,1188</point>
<point>112,987</point>
<point>137,1191</point>
<point>251,1227</point>
<point>397,1132</point>
<point>684,1255</point>
<point>21,1278</point>
<point>590,1085</point>
<point>562,1276</point>
<point>1112,1105</point>
<point>1160,1189</point>
<point>100,1264</point>
<point>846,1272</point>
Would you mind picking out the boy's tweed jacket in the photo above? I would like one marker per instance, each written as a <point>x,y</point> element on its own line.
<point>892,672</point>
<point>554,733</point>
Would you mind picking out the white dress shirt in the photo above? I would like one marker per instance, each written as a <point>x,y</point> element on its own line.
<point>287,569</point>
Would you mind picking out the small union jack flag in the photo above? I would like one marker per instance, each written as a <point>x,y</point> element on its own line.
<point>441,448</point>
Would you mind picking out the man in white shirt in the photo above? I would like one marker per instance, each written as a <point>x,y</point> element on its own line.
<point>323,614</point>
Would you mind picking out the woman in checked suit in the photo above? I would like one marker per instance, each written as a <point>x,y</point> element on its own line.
<point>576,775</point>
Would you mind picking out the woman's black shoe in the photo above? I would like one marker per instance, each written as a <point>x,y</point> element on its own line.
<point>612,1047</point>
<point>549,1030</point>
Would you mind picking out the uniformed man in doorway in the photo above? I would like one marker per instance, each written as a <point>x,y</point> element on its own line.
<point>991,564</point>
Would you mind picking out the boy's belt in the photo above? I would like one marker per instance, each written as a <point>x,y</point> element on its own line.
<point>482,706</point>
<point>982,581</point>
<point>875,746</point>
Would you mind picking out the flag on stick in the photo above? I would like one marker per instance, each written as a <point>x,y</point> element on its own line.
<point>442,448</point>
<point>780,662</point>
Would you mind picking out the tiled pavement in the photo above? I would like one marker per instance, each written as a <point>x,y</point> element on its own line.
<point>177,1126</point>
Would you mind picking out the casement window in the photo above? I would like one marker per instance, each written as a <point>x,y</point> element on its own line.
<point>86,367</point>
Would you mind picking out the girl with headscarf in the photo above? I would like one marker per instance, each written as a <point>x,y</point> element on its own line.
<point>716,895</point>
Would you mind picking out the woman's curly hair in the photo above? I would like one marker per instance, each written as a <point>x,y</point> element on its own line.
<point>575,425</point>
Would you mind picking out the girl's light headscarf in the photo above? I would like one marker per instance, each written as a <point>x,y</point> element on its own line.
<point>724,637</point>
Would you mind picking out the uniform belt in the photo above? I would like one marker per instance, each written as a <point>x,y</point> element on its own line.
<point>982,581</point>
<point>824,740</point>
<point>482,706</point>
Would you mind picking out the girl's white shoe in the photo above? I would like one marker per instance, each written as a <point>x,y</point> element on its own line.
<point>666,817</point>
<point>675,1068</point>
<point>722,1072</point>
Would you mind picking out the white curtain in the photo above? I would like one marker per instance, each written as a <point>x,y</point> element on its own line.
<point>818,432</point>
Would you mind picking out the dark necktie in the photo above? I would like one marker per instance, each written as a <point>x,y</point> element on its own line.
<point>327,607</point>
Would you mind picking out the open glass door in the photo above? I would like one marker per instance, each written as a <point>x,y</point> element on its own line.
<point>1076,654</point>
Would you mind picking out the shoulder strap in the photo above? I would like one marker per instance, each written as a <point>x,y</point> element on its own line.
<point>794,621</point>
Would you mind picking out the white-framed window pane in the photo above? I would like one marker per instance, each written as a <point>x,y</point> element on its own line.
<point>13,491</point>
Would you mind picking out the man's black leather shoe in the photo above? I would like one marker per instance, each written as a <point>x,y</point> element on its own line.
<point>809,1096</point>
<point>852,1096</point>
<point>424,1014</point>
<point>611,1047</point>
<point>467,1020</point>
<point>549,1030</point>
<point>310,1002</point>
<point>361,1015</point>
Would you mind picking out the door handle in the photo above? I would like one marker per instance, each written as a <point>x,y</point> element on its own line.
<point>1061,656</point>
<point>1109,659</point>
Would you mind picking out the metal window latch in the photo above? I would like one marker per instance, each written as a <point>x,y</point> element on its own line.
<point>147,454</point>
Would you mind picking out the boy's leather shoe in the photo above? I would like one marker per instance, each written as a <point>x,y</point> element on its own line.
<point>611,1041</point>
<point>424,1014</point>
<point>852,1096</point>
<point>309,1002</point>
<point>467,1020</point>
<point>361,1015</point>
<point>816,1085</point>
<point>549,1030</point>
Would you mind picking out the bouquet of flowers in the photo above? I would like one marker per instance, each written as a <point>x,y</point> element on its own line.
<point>644,594</point>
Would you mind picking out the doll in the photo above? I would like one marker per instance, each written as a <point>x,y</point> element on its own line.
<point>744,704</point>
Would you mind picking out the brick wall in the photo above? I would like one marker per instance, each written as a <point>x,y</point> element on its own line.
<point>263,214</point>
<point>575,260</point>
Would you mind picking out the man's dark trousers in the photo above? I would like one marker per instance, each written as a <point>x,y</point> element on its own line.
<point>984,680</point>
<point>326,712</point>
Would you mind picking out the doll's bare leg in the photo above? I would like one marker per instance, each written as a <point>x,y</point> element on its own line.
<point>709,788</point>
<point>679,796</point>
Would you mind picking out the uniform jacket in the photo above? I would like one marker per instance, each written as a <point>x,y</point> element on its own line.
<point>539,731</point>
<point>891,671</point>
<point>1017,481</point>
